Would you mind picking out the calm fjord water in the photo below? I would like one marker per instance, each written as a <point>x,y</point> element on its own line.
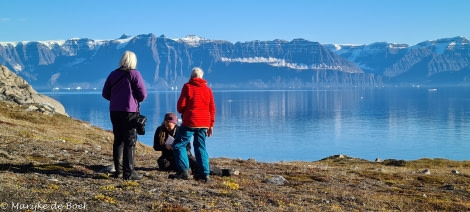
<point>399,123</point>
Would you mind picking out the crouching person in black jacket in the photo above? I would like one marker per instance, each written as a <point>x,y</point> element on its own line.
<point>163,138</point>
<point>162,141</point>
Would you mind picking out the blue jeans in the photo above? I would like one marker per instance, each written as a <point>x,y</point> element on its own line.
<point>182,139</point>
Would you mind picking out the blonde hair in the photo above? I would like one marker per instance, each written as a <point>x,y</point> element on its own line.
<point>128,60</point>
<point>197,73</point>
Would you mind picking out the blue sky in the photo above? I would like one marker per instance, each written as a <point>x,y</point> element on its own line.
<point>326,21</point>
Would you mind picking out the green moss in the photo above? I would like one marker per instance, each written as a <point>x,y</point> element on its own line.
<point>26,134</point>
<point>64,167</point>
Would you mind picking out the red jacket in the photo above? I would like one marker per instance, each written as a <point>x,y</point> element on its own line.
<point>196,104</point>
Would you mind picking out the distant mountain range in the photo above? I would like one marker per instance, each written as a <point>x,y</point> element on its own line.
<point>298,64</point>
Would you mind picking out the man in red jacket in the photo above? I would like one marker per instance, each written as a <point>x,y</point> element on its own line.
<point>196,104</point>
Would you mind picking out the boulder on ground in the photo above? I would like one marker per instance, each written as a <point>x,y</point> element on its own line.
<point>15,89</point>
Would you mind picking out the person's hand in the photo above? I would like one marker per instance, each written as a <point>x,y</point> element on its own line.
<point>168,147</point>
<point>209,131</point>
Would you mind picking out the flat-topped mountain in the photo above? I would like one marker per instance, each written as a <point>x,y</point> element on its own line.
<point>165,63</point>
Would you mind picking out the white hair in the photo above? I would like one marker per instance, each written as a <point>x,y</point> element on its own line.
<point>197,73</point>
<point>128,60</point>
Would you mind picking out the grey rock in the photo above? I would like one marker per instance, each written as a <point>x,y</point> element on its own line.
<point>32,108</point>
<point>426,171</point>
<point>15,89</point>
<point>277,180</point>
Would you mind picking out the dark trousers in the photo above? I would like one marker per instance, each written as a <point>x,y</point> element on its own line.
<point>125,137</point>
<point>166,162</point>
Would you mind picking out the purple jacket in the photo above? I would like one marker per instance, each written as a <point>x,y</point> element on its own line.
<point>120,94</point>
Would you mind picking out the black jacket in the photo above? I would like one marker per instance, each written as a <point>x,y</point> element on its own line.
<point>161,134</point>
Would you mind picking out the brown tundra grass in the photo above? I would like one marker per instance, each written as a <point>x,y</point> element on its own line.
<point>51,161</point>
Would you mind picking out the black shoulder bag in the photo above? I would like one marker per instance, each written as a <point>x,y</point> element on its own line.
<point>140,123</point>
<point>141,120</point>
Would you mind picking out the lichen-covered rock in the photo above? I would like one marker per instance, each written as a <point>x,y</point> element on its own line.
<point>15,89</point>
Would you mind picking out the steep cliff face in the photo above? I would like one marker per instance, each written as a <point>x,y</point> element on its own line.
<point>441,61</point>
<point>435,57</point>
<point>166,63</point>
<point>373,58</point>
<point>15,89</point>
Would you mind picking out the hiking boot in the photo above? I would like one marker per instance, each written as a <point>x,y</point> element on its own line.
<point>134,176</point>
<point>180,175</point>
<point>118,175</point>
<point>202,178</point>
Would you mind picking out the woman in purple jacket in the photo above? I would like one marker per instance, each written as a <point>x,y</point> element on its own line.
<point>125,89</point>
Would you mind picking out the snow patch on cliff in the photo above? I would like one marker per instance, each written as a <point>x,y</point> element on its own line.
<point>283,63</point>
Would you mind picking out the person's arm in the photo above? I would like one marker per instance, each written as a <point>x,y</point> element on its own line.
<point>212,109</point>
<point>181,105</point>
<point>139,90</point>
<point>156,140</point>
<point>212,114</point>
<point>106,92</point>
<point>209,131</point>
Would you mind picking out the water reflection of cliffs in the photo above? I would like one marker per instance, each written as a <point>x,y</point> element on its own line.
<point>290,104</point>
<point>404,123</point>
